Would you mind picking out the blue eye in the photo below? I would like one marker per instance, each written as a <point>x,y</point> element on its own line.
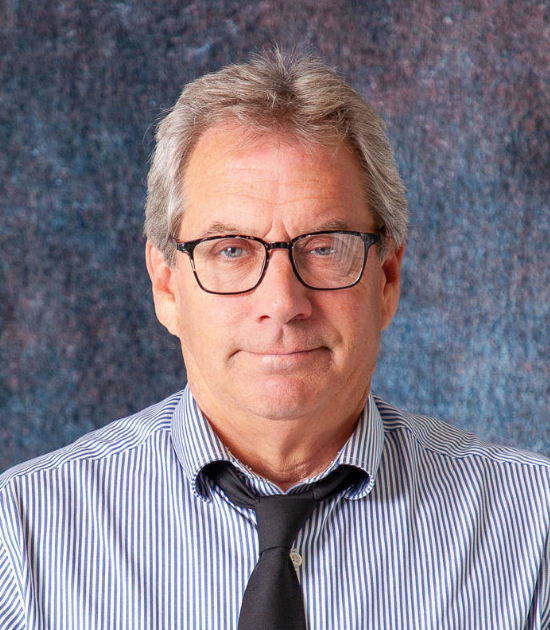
<point>231,252</point>
<point>323,251</point>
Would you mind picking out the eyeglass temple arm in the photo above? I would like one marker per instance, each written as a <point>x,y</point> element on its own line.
<point>185,248</point>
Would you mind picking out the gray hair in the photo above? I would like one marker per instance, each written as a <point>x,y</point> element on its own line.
<point>295,96</point>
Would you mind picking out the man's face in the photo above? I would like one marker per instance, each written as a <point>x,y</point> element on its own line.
<point>281,352</point>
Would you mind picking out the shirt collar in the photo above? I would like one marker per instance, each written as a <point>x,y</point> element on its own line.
<point>196,445</point>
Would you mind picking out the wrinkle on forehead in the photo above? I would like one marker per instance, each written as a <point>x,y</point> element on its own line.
<point>235,161</point>
<point>221,228</point>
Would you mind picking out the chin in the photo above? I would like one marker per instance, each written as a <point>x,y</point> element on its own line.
<point>283,398</point>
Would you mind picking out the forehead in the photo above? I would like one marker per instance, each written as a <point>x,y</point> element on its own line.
<point>256,182</point>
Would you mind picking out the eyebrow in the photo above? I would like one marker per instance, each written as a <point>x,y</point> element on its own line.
<point>333,224</point>
<point>220,228</point>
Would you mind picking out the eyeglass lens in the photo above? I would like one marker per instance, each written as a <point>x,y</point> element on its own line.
<point>322,261</point>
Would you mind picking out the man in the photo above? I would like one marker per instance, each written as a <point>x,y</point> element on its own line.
<point>276,223</point>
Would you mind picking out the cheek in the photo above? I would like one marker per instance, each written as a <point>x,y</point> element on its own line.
<point>358,319</point>
<point>207,323</point>
<point>358,308</point>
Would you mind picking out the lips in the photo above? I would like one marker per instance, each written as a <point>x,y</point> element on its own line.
<point>277,361</point>
<point>278,353</point>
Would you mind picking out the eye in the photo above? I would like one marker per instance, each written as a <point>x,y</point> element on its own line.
<point>324,250</point>
<point>230,249</point>
<point>323,246</point>
<point>231,252</point>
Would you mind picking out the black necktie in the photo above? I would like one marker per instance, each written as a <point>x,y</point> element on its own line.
<point>273,597</point>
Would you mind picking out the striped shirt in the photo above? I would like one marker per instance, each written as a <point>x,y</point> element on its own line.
<point>122,531</point>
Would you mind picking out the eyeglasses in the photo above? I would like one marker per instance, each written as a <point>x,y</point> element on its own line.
<point>229,265</point>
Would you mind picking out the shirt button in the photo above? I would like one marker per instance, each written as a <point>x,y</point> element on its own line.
<point>296,558</point>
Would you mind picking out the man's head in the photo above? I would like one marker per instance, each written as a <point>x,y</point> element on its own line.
<point>294,97</point>
<point>275,154</point>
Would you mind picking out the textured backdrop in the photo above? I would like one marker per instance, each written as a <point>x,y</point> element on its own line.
<point>465,92</point>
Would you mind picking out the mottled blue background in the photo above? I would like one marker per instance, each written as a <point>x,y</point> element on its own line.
<point>465,91</point>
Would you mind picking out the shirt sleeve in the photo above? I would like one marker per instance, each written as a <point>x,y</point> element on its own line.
<point>544,587</point>
<point>12,616</point>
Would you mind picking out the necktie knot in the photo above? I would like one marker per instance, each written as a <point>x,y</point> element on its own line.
<point>280,518</point>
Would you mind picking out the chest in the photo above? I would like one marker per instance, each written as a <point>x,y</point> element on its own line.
<point>396,559</point>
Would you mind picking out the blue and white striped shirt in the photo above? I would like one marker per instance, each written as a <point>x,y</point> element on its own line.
<point>122,531</point>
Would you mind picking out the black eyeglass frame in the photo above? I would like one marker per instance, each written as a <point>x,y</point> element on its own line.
<point>369,239</point>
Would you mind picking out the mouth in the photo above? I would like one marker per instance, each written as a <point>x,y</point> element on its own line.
<point>283,353</point>
<point>286,360</point>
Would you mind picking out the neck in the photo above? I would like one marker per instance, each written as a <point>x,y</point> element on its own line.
<point>284,451</point>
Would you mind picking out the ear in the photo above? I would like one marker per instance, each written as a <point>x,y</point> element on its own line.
<point>391,283</point>
<point>163,281</point>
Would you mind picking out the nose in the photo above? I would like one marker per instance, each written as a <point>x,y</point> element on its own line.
<point>281,296</point>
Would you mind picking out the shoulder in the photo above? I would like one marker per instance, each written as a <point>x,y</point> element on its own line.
<point>116,438</point>
<point>447,468</point>
<point>447,441</point>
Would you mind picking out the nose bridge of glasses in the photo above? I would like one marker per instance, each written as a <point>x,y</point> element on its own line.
<point>288,245</point>
<point>278,245</point>
<point>269,247</point>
